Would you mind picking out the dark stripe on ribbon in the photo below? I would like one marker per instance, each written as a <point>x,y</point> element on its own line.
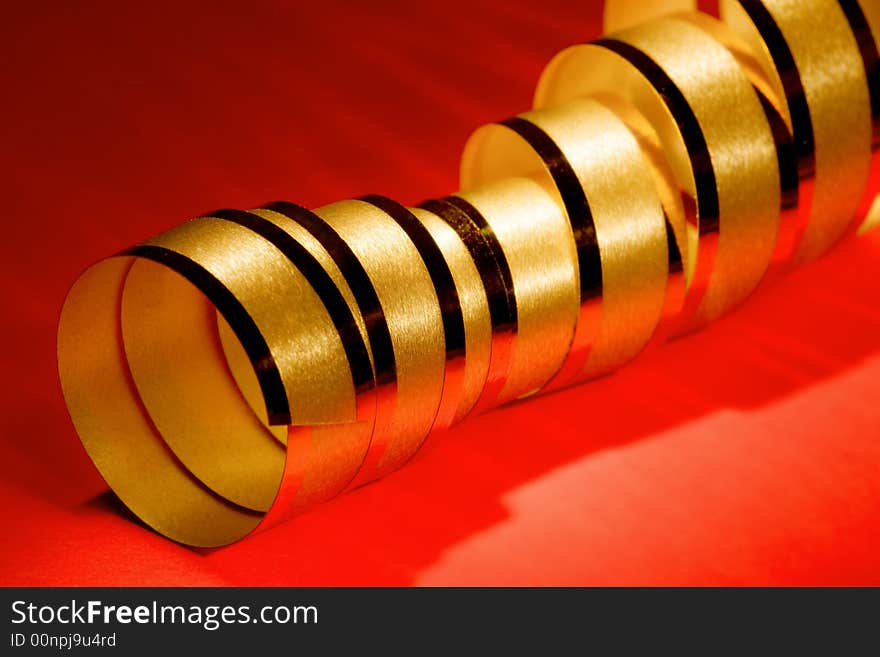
<point>870,58</point>
<point>785,155</point>
<point>577,207</point>
<point>676,262</point>
<point>277,407</point>
<point>340,314</point>
<point>486,252</point>
<point>358,280</point>
<point>438,270</point>
<point>692,133</point>
<point>802,124</point>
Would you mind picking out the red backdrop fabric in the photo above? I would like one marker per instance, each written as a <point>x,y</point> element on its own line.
<point>748,453</point>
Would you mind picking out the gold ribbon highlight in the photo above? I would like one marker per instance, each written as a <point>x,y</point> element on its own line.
<point>247,365</point>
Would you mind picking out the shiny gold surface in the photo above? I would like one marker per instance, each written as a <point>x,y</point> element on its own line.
<point>413,314</point>
<point>243,367</point>
<point>477,324</point>
<point>536,239</point>
<point>797,198</point>
<point>872,217</point>
<point>747,45</point>
<point>177,366</point>
<point>869,211</point>
<point>734,16</point>
<point>625,213</point>
<point>293,321</point>
<point>828,73</point>
<point>323,459</point>
<point>676,206</point>
<point>733,251</point>
<point>239,366</point>
<point>830,69</point>
<point>871,10</point>
<point>116,430</point>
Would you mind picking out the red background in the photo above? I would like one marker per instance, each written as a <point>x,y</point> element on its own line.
<point>746,454</point>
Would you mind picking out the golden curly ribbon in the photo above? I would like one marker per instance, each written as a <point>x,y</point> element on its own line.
<point>246,365</point>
